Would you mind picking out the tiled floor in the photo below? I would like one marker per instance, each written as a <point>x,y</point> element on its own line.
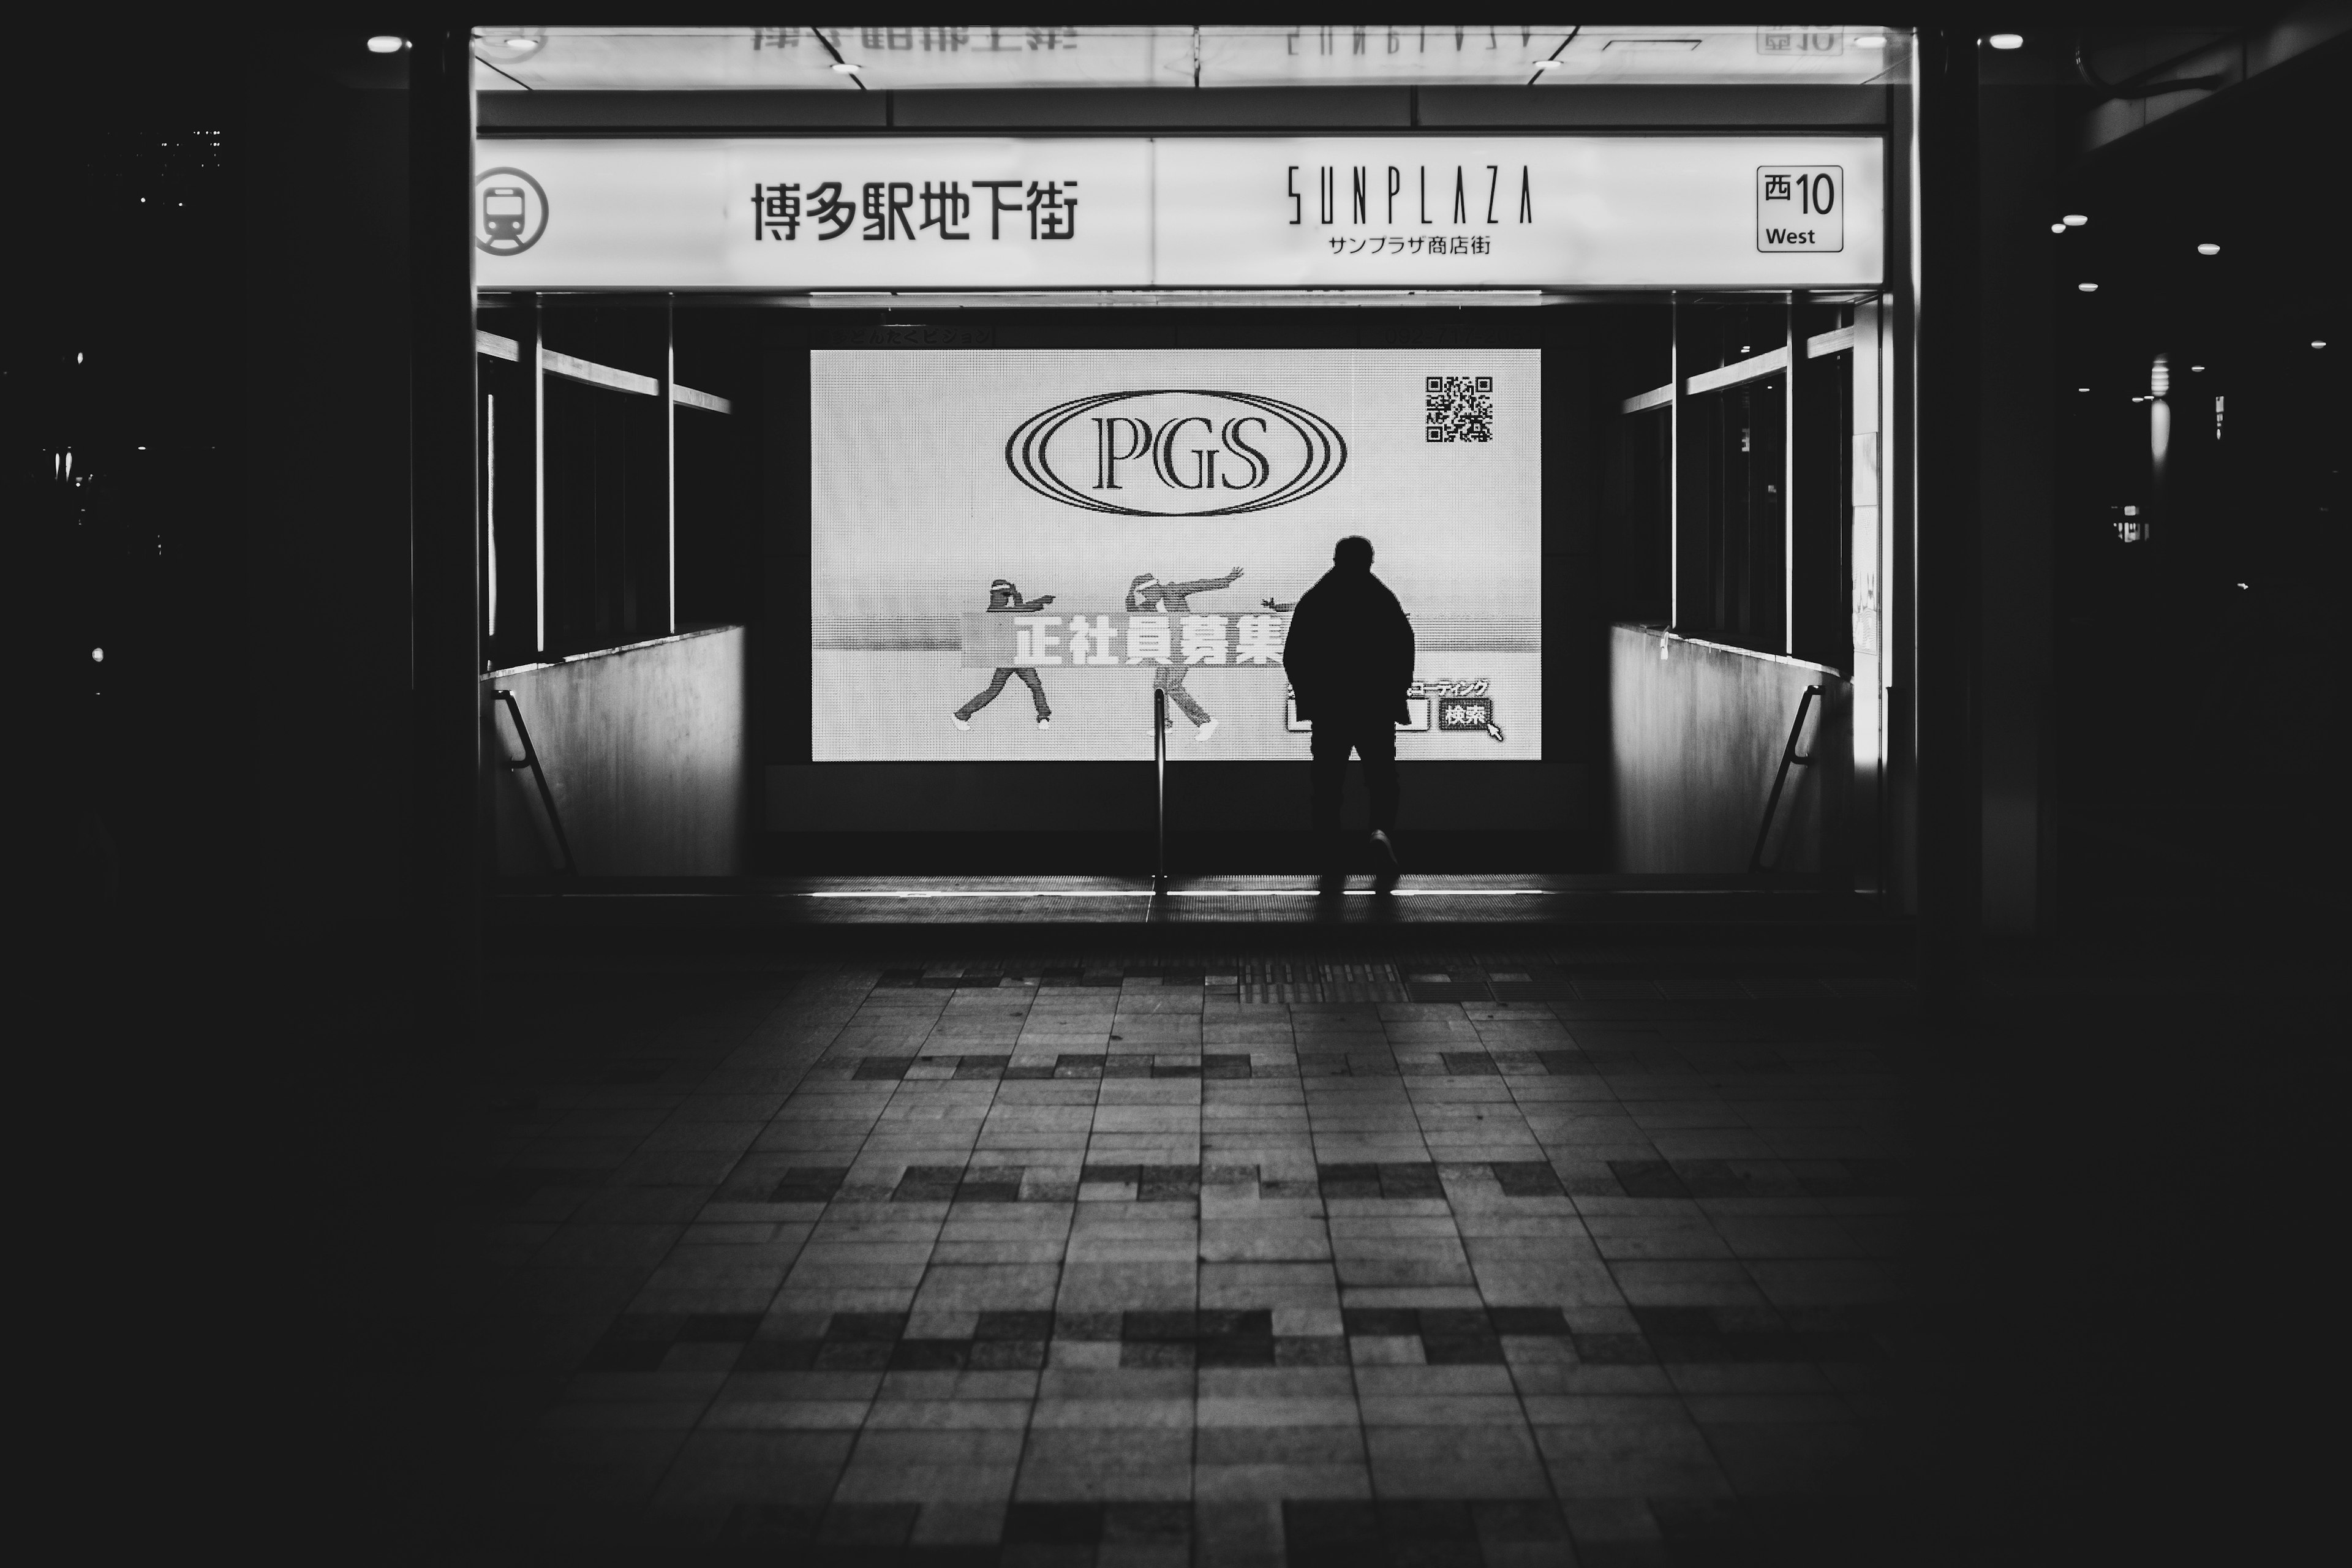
<point>1500,1259</point>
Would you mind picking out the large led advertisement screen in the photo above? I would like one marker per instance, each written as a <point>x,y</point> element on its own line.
<point>1010,550</point>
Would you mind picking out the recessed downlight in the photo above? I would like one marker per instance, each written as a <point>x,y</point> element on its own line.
<point>2088,288</point>
<point>2057,228</point>
<point>2075,220</point>
<point>386,44</point>
<point>2209,248</point>
<point>2007,40</point>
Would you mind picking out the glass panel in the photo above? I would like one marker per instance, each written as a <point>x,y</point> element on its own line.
<point>1820,577</point>
<point>1733,478</point>
<point>1723,331</point>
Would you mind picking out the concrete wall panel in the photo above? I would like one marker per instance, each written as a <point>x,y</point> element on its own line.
<point>1696,737</point>
<point>644,750</point>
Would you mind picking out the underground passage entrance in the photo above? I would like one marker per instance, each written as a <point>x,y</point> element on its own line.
<point>929,568</point>
<point>869,503</point>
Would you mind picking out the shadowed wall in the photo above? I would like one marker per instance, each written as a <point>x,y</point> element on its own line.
<point>1696,737</point>
<point>643,753</point>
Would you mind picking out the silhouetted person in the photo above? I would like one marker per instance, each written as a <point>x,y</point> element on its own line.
<point>1350,657</point>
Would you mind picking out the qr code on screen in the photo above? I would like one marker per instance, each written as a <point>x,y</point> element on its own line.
<point>1459,408</point>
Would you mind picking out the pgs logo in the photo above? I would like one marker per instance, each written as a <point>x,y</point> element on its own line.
<point>1176,453</point>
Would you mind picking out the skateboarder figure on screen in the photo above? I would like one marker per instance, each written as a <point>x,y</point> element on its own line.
<point>1148,594</point>
<point>1004,599</point>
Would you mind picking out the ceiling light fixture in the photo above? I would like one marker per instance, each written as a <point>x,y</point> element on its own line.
<point>2209,248</point>
<point>2075,220</point>
<point>386,44</point>
<point>2319,343</point>
<point>1552,65</point>
<point>847,68</point>
<point>1870,41</point>
<point>2057,228</point>
<point>522,43</point>
<point>2198,368</point>
<point>2088,288</point>
<point>2007,40</point>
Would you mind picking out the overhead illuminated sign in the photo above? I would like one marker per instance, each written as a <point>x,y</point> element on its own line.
<point>999,213</point>
<point>513,60</point>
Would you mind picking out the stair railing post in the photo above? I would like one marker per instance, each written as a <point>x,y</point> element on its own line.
<point>571,867</point>
<point>1789,759</point>
<point>1160,785</point>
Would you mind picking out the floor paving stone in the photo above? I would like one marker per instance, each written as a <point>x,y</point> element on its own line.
<point>1254,1262</point>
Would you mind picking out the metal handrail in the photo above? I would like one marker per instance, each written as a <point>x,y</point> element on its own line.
<point>1789,759</point>
<point>1159,783</point>
<point>538,776</point>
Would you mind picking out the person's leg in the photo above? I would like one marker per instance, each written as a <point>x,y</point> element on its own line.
<point>1326,777</point>
<point>1376,743</point>
<point>1183,698</point>
<point>987,697</point>
<point>1037,689</point>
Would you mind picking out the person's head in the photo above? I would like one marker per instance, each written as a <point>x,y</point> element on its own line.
<point>1353,553</point>
<point>1002,588</point>
<point>1143,581</point>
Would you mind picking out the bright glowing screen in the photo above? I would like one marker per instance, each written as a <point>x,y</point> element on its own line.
<point>1000,535</point>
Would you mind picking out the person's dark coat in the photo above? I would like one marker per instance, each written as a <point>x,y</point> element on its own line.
<point>1350,654</point>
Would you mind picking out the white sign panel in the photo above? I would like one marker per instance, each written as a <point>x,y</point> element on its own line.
<point>1518,212</point>
<point>1801,207</point>
<point>974,213</point>
<point>863,213</point>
